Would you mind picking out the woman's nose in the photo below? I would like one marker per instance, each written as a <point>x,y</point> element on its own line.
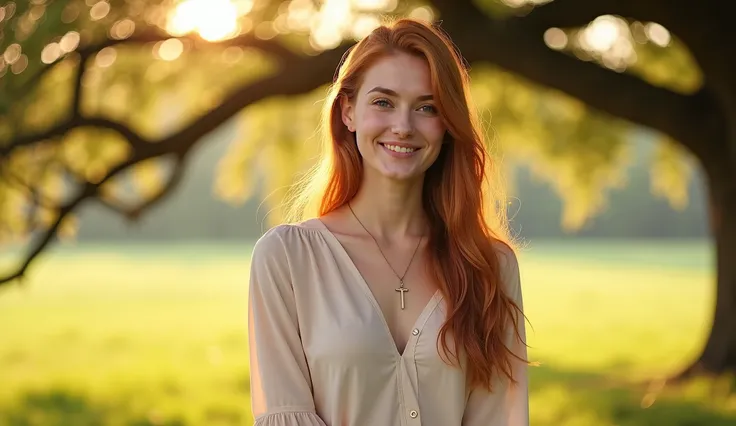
<point>403,127</point>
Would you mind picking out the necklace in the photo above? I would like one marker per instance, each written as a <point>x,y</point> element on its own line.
<point>401,290</point>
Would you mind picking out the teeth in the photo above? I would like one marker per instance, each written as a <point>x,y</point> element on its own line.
<point>400,148</point>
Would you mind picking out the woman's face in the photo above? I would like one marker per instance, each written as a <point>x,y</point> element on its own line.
<point>398,128</point>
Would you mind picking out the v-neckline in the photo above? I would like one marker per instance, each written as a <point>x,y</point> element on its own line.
<point>428,308</point>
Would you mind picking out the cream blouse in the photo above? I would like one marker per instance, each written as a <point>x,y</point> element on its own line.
<point>321,353</point>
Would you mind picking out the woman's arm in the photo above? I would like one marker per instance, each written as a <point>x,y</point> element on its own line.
<point>508,404</point>
<point>281,389</point>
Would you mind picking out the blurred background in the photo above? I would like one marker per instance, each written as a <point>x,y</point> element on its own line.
<point>146,145</point>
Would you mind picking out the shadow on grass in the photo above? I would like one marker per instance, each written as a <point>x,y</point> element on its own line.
<point>60,407</point>
<point>560,397</point>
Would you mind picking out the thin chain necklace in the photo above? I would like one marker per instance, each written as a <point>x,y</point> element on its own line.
<point>401,288</point>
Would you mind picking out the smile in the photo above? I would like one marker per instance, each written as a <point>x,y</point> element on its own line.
<point>399,149</point>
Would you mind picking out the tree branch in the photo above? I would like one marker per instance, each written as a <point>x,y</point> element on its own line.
<point>87,191</point>
<point>514,46</point>
<point>151,35</point>
<point>575,13</point>
<point>315,71</point>
<point>134,212</point>
<point>283,54</point>
<point>78,87</point>
<point>69,124</point>
<point>38,198</point>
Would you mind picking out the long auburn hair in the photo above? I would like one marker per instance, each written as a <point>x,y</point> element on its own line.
<point>464,205</point>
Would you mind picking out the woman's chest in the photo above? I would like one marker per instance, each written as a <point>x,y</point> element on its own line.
<point>341,321</point>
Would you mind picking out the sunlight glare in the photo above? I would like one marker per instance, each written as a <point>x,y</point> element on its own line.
<point>213,19</point>
<point>609,39</point>
<point>602,33</point>
<point>658,34</point>
<point>70,41</point>
<point>422,13</point>
<point>51,53</point>
<point>334,19</point>
<point>106,57</point>
<point>12,53</point>
<point>99,10</point>
<point>555,38</point>
<point>122,29</point>
<point>520,3</point>
<point>20,65</point>
<point>375,5</point>
<point>170,49</point>
<point>364,24</point>
<point>300,14</point>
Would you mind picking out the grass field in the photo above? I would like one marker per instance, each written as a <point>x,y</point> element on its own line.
<point>155,335</point>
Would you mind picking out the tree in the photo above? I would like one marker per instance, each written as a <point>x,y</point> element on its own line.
<point>74,128</point>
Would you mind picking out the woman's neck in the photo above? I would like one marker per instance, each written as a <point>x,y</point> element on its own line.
<point>390,209</point>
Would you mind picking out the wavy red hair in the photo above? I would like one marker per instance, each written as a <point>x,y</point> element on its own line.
<point>466,216</point>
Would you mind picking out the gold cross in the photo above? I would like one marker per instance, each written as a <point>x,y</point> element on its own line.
<point>402,290</point>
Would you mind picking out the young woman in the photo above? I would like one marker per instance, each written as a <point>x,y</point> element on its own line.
<point>398,302</point>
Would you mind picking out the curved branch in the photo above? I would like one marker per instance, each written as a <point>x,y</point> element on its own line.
<point>152,35</point>
<point>87,191</point>
<point>134,212</point>
<point>78,87</point>
<point>574,13</point>
<point>519,48</point>
<point>20,183</point>
<point>315,71</point>
<point>76,119</point>
<point>74,122</point>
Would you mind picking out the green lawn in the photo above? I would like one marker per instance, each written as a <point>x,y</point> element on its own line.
<point>155,335</point>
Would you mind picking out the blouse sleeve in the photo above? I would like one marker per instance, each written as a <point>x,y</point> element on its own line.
<point>508,403</point>
<point>280,385</point>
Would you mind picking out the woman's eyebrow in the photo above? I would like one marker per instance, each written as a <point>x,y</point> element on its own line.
<point>393,93</point>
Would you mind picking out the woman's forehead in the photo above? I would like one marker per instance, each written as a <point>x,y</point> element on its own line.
<point>403,74</point>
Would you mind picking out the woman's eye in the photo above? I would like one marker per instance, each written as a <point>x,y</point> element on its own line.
<point>382,103</point>
<point>429,109</point>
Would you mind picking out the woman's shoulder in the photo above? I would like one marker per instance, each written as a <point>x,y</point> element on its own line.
<point>506,255</point>
<point>280,239</point>
<point>508,263</point>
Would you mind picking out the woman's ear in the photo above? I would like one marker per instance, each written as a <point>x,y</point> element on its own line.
<point>347,113</point>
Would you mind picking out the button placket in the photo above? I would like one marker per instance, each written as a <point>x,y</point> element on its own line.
<point>409,385</point>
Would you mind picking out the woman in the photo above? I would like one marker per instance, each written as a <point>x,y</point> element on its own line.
<point>397,304</point>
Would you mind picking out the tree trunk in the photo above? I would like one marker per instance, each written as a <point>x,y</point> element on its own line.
<point>719,353</point>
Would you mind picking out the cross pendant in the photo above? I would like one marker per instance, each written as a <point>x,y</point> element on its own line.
<point>401,291</point>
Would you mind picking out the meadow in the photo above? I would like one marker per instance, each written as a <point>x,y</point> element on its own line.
<point>155,334</point>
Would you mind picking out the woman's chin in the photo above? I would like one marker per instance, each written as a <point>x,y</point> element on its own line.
<point>400,174</point>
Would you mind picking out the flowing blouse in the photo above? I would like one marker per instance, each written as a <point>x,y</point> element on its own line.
<point>321,353</point>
